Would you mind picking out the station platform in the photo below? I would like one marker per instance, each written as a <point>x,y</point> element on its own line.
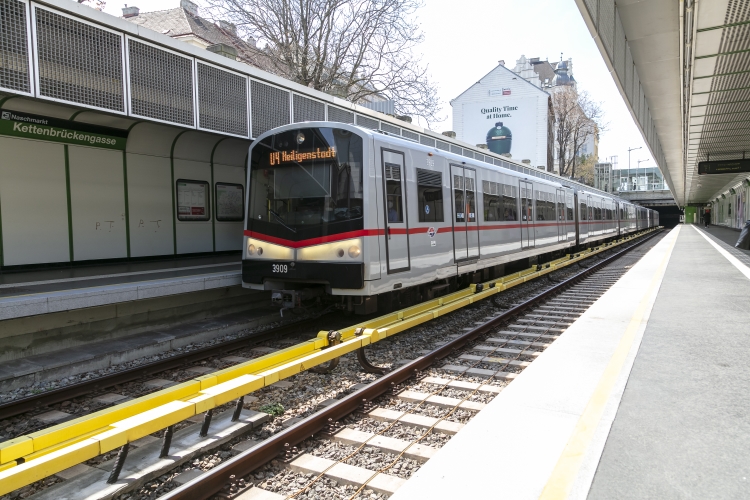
<point>644,396</point>
<point>34,292</point>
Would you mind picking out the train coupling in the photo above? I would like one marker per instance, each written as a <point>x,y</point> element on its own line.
<point>291,300</point>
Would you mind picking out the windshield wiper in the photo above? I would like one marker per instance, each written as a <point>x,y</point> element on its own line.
<point>281,221</point>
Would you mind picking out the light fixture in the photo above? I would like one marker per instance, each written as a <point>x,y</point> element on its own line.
<point>340,252</point>
<point>354,251</point>
<point>300,138</point>
<point>250,248</point>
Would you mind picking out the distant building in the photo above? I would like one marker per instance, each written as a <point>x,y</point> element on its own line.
<point>544,74</point>
<point>508,114</point>
<point>603,179</point>
<point>185,24</point>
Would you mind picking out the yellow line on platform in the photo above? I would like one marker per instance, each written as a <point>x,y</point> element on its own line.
<point>54,449</point>
<point>566,470</point>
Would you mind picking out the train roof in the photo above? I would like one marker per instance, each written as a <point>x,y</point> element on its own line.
<point>467,153</point>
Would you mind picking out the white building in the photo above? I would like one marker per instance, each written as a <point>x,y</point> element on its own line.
<point>508,114</point>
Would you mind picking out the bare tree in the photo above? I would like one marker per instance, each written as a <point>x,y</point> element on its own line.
<point>577,119</point>
<point>96,4</point>
<point>354,49</point>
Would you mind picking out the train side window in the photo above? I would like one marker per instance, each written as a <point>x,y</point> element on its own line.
<point>569,207</point>
<point>510,206</point>
<point>458,197</point>
<point>471,199</point>
<point>393,192</point>
<point>193,200</point>
<point>230,201</point>
<point>430,195</point>
<point>491,200</point>
<point>583,212</point>
<point>551,207</point>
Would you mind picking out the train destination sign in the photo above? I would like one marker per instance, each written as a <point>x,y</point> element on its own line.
<point>724,167</point>
<point>279,157</point>
<point>30,126</point>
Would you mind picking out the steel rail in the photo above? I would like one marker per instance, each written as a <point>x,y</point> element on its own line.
<point>214,481</point>
<point>23,405</point>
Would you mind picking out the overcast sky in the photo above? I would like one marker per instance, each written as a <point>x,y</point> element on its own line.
<point>465,39</point>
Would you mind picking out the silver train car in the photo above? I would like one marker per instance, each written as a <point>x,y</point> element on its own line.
<point>382,222</point>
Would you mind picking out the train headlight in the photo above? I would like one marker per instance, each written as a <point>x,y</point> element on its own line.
<point>258,249</point>
<point>346,250</point>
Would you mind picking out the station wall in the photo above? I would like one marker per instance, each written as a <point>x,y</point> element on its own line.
<point>71,203</point>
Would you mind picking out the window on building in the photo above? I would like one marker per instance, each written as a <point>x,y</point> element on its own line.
<point>430,195</point>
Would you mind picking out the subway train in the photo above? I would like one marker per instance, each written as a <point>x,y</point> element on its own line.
<point>368,221</point>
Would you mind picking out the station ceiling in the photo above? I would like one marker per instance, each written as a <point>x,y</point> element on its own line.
<point>692,61</point>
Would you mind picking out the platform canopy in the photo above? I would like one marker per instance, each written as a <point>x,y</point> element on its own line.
<point>683,68</point>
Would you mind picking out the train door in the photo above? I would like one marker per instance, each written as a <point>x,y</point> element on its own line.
<point>580,215</point>
<point>396,226</point>
<point>465,223</point>
<point>527,214</point>
<point>562,230</point>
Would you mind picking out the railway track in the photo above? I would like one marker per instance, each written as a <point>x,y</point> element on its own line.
<point>178,361</point>
<point>485,373</point>
<point>367,443</point>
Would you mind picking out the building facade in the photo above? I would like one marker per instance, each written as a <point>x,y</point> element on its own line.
<point>508,115</point>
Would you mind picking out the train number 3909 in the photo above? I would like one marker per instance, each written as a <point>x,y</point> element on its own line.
<point>279,268</point>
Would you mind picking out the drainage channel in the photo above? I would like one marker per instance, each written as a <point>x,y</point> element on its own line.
<point>369,443</point>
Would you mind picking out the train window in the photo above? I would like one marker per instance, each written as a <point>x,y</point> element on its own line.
<point>569,207</point>
<point>230,201</point>
<point>193,200</point>
<point>430,195</point>
<point>458,197</point>
<point>471,204</point>
<point>491,198</point>
<point>393,192</point>
<point>545,206</point>
<point>583,212</point>
<point>510,207</point>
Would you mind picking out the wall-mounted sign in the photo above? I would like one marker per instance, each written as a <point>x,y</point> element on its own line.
<point>279,157</point>
<point>192,200</point>
<point>230,202</point>
<point>44,128</point>
<point>723,167</point>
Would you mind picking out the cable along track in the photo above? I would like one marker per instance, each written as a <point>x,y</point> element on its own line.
<point>469,371</point>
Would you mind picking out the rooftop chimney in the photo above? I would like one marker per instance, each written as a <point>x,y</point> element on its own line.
<point>223,49</point>
<point>228,27</point>
<point>450,133</point>
<point>189,6</point>
<point>502,62</point>
<point>130,11</point>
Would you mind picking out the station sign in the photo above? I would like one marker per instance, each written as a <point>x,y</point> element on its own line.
<point>724,167</point>
<point>28,126</point>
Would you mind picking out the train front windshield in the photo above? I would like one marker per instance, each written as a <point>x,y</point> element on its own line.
<point>306,183</point>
